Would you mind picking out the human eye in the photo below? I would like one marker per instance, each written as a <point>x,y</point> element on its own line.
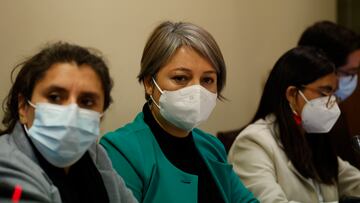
<point>324,92</point>
<point>180,79</point>
<point>208,80</point>
<point>353,71</point>
<point>54,97</point>
<point>350,72</point>
<point>87,102</point>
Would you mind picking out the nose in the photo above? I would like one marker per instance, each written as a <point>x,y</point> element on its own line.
<point>195,81</point>
<point>72,99</point>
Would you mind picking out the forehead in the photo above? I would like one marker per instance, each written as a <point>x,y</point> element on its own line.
<point>354,57</point>
<point>352,63</point>
<point>187,57</point>
<point>327,81</point>
<point>72,78</point>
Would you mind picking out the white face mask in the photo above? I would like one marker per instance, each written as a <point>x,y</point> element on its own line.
<point>316,117</point>
<point>347,85</point>
<point>62,134</point>
<point>186,108</point>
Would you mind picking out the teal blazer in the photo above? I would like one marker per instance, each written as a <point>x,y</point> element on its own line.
<point>139,160</point>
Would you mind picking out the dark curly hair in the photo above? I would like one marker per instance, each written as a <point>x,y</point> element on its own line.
<point>34,68</point>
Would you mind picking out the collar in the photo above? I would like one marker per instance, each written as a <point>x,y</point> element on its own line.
<point>22,142</point>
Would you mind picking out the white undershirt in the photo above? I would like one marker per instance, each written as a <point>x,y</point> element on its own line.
<point>318,192</point>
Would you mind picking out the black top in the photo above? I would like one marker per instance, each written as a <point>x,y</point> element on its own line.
<point>183,153</point>
<point>83,183</point>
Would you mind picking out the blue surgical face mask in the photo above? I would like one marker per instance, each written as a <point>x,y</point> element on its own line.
<point>347,85</point>
<point>62,134</point>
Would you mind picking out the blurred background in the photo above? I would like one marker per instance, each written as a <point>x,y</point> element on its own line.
<point>252,35</point>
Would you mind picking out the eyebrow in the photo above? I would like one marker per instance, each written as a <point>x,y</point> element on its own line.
<point>60,89</point>
<point>90,94</point>
<point>182,69</point>
<point>189,70</point>
<point>353,69</point>
<point>210,72</point>
<point>56,88</point>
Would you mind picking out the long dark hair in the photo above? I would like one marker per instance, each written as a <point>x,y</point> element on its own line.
<point>312,155</point>
<point>34,68</point>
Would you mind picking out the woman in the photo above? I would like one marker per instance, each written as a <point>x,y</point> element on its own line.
<point>48,151</point>
<point>342,46</point>
<point>161,155</point>
<point>285,155</point>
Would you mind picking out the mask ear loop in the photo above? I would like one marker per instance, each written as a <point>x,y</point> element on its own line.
<point>151,97</point>
<point>291,106</point>
<point>26,130</point>
<point>292,109</point>
<point>24,125</point>
<point>31,104</point>
<point>101,114</point>
<point>296,116</point>
<point>303,96</point>
<point>157,86</point>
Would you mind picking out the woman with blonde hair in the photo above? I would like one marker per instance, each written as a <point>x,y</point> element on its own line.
<point>161,155</point>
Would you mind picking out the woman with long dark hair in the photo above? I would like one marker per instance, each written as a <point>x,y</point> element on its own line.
<point>285,154</point>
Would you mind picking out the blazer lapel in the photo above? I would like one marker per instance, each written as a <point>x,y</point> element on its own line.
<point>220,172</point>
<point>329,192</point>
<point>306,180</point>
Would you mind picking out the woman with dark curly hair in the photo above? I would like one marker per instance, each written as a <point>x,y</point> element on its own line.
<point>48,151</point>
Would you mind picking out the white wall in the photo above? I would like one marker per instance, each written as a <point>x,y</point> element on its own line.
<point>251,33</point>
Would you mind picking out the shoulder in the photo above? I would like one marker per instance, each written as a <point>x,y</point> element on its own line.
<point>348,179</point>
<point>18,169</point>
<point>133,142</point>
<point>6,146</point>
<point>100,158</point>
<point>345,167</point>
<point>10,153</point>
<point>130,134</point>
<point>262,132</point>
<point>260,135</point>
<point>113,182</point>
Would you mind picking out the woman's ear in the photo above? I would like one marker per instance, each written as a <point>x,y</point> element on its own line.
<point>22,109</point>
<point>291,95</point>
<point>148,85</point>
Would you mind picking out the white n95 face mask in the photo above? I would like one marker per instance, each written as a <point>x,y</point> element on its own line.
<point>316,117</point>
<point>347,85</point>
<point>62,134</point>
<point>186,108</point>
